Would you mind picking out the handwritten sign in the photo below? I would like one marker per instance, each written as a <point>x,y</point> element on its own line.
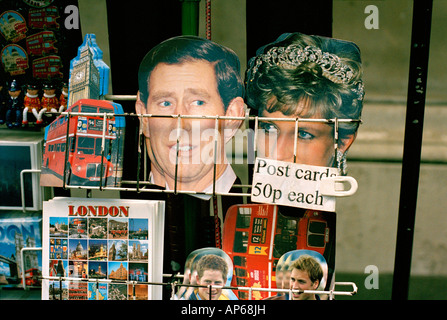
<point>298,185</point>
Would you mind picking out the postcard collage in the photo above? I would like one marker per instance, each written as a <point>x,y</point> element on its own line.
<point>100,247</point>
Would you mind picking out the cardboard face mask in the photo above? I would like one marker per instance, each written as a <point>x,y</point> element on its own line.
<point>182,91</point>
<point>207,266</point>
<point>308,92</point>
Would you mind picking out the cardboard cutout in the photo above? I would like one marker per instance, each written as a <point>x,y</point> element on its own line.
<point>193,275</point>
<point>198,80</point>
<point>302,88</point>
<point>308,93</point>
<point>285,279</point>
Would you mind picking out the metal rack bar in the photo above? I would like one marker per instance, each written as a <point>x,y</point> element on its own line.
<point>175,284</point>
<point>420,47</point>
<point>120,97</point>
<point>203,117</point>
<point>157,190</point>
<point>138,183</point>
<point>295,140</point>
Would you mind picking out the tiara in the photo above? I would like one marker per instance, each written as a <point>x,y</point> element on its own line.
<point>295,55</point>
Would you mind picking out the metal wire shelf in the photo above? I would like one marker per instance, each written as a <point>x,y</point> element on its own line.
<point>142,185</point>
<point>175,284</point>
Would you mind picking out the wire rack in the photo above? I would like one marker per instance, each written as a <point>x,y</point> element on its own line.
<point>144,185</point>
<point>174,283</point>
<point>239,141</point>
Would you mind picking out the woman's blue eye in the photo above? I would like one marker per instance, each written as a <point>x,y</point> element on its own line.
<point>305,135</point>
<point>268,127</point>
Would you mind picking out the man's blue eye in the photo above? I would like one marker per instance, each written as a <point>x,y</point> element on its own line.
<point>199,103</point>
<point>165,104</point>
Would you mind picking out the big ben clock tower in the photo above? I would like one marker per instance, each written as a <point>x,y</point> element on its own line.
<point>84,76</point>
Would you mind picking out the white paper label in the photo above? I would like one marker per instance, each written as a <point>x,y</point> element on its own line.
<point>298,185</point>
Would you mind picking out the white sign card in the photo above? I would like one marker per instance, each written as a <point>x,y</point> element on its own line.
<point>298,185</point>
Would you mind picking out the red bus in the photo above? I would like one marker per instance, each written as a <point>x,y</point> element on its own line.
<point>44,18</point>
<point>41,43</point>
<point>47,67</point>
<point>255,236</point>
<point>20,28</point>
<point>32,277</point>
<point>80,159</point>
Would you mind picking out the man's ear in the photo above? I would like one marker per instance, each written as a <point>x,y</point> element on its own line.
<point>140,108</point>
<point>236,108</point>
<point>315,284</point>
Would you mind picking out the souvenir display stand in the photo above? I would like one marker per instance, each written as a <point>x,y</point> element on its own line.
<point>96,249</point>
<point>258,229</point>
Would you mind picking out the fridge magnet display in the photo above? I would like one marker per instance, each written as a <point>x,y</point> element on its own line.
<point>41,44</point>
<point>12,26</point>
<point>47,67</point>
<point>98,249</point>
<point>43,18</point>
<point>34,46</point>
<point>14,60</point>
<point>85,150</point>
<point>38,3</point>
<point>255,236</point>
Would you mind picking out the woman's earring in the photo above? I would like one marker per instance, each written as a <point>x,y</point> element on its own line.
<point>341,163</point>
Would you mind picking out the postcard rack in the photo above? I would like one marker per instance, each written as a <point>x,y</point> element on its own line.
<point>239,141</point>
<point>174,281</point>
<point>243,151</point>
